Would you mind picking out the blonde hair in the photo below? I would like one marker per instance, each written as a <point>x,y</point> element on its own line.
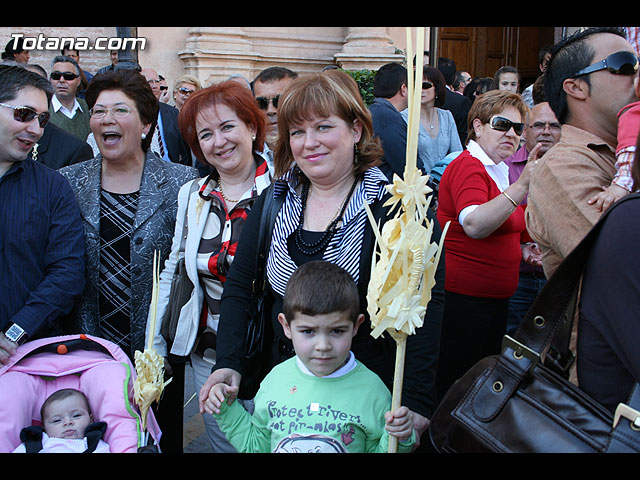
<point>491,103</point>
<point>186,79</point>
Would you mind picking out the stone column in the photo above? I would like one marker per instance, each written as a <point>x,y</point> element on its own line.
<point>367,48</point>
<point>214,53</point>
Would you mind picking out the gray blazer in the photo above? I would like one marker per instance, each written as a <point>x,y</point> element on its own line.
<point>153,230</point>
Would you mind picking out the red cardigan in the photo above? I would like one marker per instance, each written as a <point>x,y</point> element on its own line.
<point>487,267</point>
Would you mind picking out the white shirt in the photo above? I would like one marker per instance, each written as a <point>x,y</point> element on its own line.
<point>499,173</point>
<point>57,106</point>
<point>65,445</point>
<point>343,370</point>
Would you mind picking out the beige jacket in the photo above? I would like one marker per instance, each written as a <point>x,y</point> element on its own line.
<point>572,171</point>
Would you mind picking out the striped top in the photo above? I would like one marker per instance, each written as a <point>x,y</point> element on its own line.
<point>344,248</point>
<point>42,268</point>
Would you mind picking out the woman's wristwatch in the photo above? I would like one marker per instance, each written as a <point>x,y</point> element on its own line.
<point>16,334</point>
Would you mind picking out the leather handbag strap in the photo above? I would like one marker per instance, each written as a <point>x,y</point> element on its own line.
<point>270,210</point>
<point>183,240</point>
<point>544,318</point>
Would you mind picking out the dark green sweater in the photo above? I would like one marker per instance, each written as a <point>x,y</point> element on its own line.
<point>78,125</point>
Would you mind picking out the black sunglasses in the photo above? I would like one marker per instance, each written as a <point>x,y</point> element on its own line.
<point>504,125</point>
<point>66,75</point>
<point>263,102</point>
<point>426,85</point>
<point>619,63</point>
<point>26,114</point>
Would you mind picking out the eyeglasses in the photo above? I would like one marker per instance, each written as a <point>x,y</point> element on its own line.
<point>263,102</point>
<point>554,127</point>
<point>426,85</point>
<point>119,111</point>
<point>27,114</point>
<point>185,91</point>
<point>619,63</point>
<point>504,125</point>
<point>66,75</point>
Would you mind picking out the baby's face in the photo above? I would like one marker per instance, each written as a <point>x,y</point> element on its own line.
<point>67,418</point>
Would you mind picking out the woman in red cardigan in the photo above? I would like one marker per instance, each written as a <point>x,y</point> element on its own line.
<point>483,244</point>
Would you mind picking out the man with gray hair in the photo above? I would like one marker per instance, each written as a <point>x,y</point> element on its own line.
<point>67,110</point>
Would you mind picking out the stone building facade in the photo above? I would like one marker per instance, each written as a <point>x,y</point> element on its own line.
<point>214,53</point>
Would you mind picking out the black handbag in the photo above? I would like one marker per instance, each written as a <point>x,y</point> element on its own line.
<point>258,337</point>
<point>181,288</point>
<point>521,401</point>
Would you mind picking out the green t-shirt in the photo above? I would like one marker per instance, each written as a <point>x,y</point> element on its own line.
<point>300,413</point>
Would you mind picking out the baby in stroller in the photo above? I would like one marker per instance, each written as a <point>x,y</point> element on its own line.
<point>95,367</point>
<point>67,427</point>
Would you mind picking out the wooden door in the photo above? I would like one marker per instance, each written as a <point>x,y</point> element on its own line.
<point>483,50</point>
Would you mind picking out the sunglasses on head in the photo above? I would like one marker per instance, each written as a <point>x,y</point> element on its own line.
<point>27,114</point>
<point>619,63</point>
<point>263,102</point>
<point>504,125</point>
<point>66,75</point>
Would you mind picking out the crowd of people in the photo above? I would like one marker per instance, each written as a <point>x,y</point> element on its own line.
<point>101,173</point>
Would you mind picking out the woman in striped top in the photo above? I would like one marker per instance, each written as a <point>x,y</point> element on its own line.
<point>325,163</point>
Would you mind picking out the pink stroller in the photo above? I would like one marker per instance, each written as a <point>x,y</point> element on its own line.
<point>96,367</point>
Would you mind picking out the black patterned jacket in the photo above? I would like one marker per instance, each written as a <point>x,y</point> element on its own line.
<point>153,230</point>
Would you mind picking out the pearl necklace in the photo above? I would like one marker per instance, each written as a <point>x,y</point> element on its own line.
<point>226,199</point>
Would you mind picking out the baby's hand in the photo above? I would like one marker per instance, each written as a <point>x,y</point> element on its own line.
<point>217,396</point>
<point>399,423</point>
<point>608,197</point>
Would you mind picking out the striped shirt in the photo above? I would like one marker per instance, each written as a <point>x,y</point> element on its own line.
<point>345,246</point>
<point>633,36</point>
<point>41,248</point>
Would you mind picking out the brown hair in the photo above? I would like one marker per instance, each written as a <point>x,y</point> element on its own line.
<point>320,287</point>
<point>323,95</point>
<point>491,103</point>
<point>230,93</point>
<point>433,75</point>
<point>134,86</point>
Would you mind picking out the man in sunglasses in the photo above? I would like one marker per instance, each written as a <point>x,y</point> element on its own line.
<point>590,77</point>
<point>68,111</point>
<point>167,142</point>
<point>267,88</point>
<point>41,233</point>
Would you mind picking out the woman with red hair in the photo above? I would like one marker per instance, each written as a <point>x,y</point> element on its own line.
<point>225,129</point>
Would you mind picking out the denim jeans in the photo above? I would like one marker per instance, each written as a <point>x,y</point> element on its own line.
<point>217,439</point>
<point>529,286</point>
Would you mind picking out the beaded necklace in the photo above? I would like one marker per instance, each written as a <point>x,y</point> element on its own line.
<point>313,248</point>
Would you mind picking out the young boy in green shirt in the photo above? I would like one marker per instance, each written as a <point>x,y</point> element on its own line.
<point>321,400</point>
